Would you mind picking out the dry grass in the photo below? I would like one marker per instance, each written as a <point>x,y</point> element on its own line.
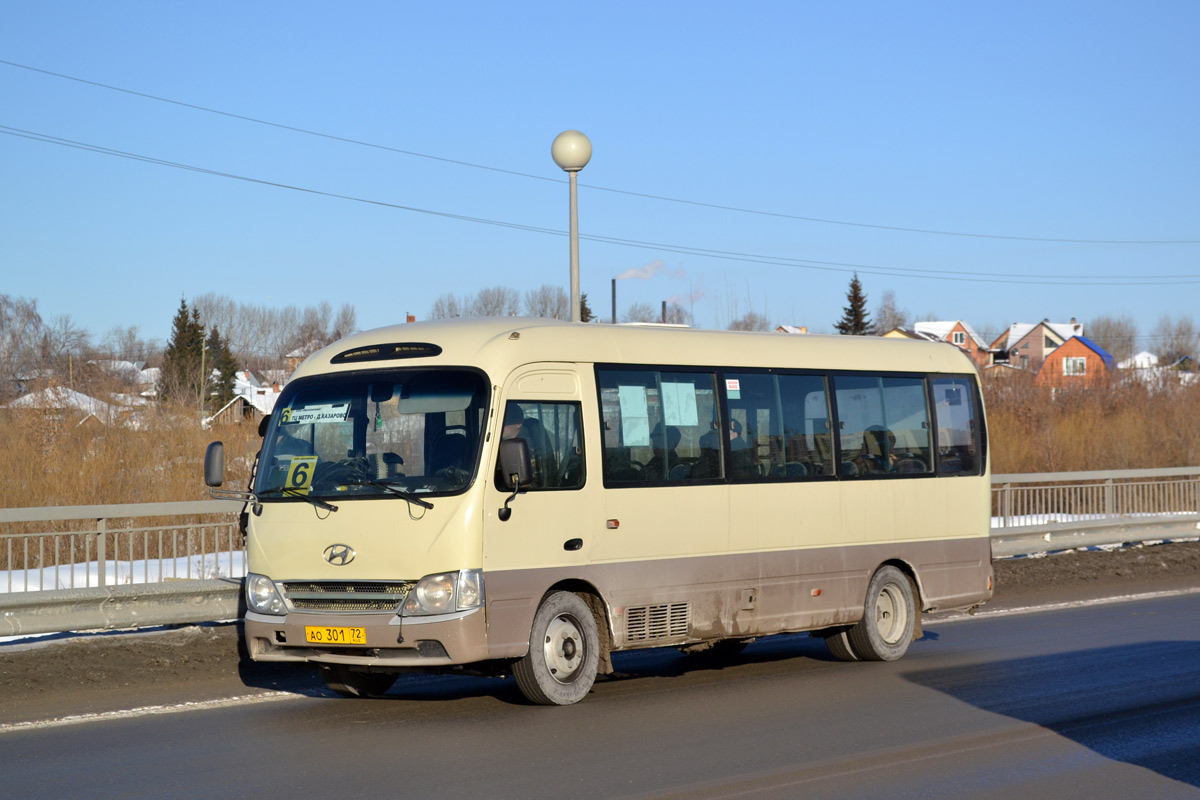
<point>1117,424</point>
<point>51,460</point>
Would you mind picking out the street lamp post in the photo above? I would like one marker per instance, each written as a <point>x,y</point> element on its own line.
<point>572,151</point>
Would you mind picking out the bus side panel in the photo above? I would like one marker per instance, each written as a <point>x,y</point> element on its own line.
<point>659,601</point>
<point>821,587</point>
<point>680,600</point>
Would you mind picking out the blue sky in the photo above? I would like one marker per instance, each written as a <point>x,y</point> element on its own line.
<point>1034,121</point>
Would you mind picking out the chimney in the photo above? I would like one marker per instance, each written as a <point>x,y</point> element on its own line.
<point>409,317</point>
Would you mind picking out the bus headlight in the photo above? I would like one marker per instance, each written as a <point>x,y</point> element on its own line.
<point>262,596</point>
<point>445,593</point>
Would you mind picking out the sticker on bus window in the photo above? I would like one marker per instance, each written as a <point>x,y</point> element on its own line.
<point>733,388</point>
<point>307,415</point>
<point>679,404</point>
<point>300,473</point>
<point>635,416</point>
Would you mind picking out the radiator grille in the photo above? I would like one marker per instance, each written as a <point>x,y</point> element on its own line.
<point>657,622</point>
<point>346,595</point>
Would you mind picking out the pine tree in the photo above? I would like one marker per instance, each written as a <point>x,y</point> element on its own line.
<point>180,380</point>
<point>854,321</point>
<point>585,311</point>
<point>222,361</point>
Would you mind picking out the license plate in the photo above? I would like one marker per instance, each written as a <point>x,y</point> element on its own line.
<point>325,635</point>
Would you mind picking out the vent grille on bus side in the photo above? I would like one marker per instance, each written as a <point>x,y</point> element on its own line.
<point>346,596</point>
<point>656,622</point>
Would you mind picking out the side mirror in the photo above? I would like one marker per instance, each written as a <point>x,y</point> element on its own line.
<point>214,464</point>
<point>516,469</point>
<point>514,460</point>
<point>262,425</point>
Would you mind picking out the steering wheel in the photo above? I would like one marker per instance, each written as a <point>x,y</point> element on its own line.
<point>331,472</point>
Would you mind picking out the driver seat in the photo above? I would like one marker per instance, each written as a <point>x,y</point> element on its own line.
<point>449,450</point>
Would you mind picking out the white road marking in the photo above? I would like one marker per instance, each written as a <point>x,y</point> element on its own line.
<point>958,616</point>
<point>149,711</point>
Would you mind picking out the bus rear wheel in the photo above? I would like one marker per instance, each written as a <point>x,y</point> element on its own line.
<point>889,616</point>
<point>564,650</point>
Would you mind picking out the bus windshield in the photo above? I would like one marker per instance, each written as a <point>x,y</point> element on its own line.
<point>374,434</point>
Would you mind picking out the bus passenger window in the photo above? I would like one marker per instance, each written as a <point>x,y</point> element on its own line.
<point>884,425</point>
<point>555,440</point>
<point>957,426</point>
<point>658,426</point>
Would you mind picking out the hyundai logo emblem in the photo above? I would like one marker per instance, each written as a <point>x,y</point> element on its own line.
<point>339,554</point>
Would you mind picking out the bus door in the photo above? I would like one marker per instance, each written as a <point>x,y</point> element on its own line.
<point>553,521</point>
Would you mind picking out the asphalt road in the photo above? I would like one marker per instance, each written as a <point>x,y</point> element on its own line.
<point>1094,701</point>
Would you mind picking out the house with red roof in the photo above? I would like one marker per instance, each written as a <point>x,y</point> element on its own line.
<point>959,334</point>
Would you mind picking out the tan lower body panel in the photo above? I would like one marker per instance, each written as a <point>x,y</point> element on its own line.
<point>682,600</point>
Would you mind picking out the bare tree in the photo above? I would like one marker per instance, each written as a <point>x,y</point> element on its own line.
<point>124,344</point>
<point>1117,335</point>
<point>20,339</point>
<point>548,301</point>
<point>345,323</point>
<point>888,315</point>
<point>259,336</point>
<point>495,301</point>
<point>750,321</point>
<point>678,315</point>
<point>640,312</point>
<point>61,339</point>
<point>314,322</point>
<point>447,306</point>
<point>1176,338</point>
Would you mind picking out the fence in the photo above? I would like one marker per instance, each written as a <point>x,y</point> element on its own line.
<point>1062,510</point>
<point>106,567</point>
<point>82,547</point>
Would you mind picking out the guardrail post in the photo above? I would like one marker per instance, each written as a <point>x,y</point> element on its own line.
<point>101,553</point>
<point>1108,498</point>
<point>1006,505</point>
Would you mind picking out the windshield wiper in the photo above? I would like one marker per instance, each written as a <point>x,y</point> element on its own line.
<point>388,487</point>
<point>288,491</point>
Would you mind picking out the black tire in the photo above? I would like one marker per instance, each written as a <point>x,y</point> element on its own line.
<point>564,650</point>
<point>889,614</point>
<point>840,647</point>
<point>349,683</point>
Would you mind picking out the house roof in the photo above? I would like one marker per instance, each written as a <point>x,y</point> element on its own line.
<point>914,334</point>
<point>943,328</point>
<point>1019,330</point>
<point>1105,356</point>
<point>60,397</point>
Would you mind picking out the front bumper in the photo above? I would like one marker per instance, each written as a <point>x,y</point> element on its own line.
<point>391,641</point>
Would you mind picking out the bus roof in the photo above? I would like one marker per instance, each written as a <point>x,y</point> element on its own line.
<point>499,344</point>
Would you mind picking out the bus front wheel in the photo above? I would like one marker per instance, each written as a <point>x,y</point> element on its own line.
<point>564,650</point>
<point>889,617</point>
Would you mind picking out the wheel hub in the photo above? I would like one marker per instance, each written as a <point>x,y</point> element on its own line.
<point>563,649</point>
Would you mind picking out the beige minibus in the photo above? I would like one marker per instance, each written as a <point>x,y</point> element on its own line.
<point>526,497</point>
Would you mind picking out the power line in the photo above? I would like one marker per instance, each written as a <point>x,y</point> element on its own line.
<point>645,195</point>
<point>781,261</point>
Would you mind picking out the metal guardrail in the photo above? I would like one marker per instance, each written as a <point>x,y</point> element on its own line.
<point>1052,511</point>
<point>1032,514</point>
<point>106,545</point>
